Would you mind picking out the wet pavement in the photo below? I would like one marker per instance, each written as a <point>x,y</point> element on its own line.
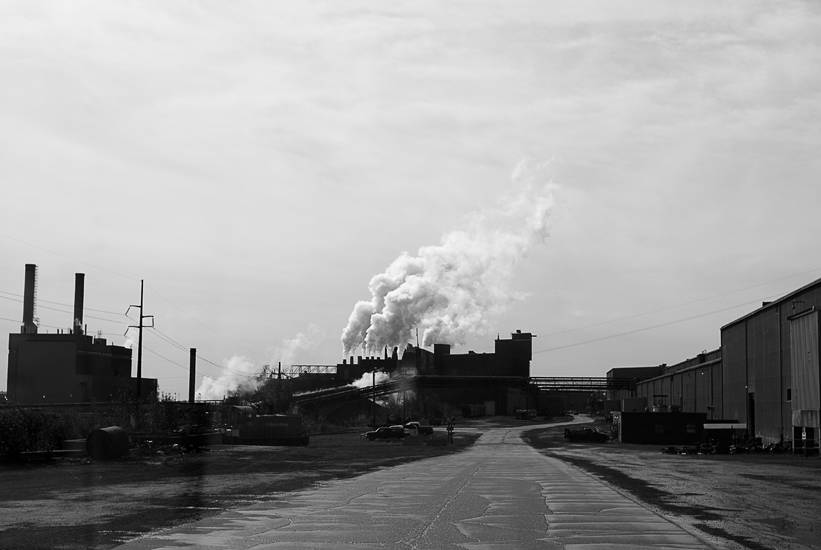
<point>499,494</point>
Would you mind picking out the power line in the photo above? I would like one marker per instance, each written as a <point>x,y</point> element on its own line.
<point>611,336</point>
<point>168,339</point>
<point>245,374</point>
<point>164,357</point>
<point>68,257</point>
<point>203,324</point>
<point>40,302</point>
<point>132,279</point>
<point>682,304</point>
<point>173,342</point>
<point>18,321</point>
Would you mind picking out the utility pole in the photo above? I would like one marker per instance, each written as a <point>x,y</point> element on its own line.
<point>140,339</point>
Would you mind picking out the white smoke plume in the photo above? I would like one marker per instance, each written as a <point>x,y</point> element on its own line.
<point>291,348</point>
<point>367,379</point>
<point>240,373</point>
<point>460,286</point>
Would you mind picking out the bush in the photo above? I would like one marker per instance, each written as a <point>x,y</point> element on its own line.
<point>24,431</point>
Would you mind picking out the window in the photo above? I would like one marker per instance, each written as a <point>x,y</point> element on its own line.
<point>789,394</point>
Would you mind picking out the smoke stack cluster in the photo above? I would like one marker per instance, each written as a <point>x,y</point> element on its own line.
<point>460,286</point>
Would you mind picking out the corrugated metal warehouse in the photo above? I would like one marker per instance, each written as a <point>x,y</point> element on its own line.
<point>766,376</point>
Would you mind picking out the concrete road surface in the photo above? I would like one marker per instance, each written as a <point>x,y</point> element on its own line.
<point>499,494</point>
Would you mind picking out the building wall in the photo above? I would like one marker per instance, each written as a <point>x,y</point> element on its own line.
<point>68,368</point>
<point>693,385</point>
<point>760,371</point>
<point>734,378</point>
<point>806,395</point>
<point>42,368</point>
<point>470,364</point>
<point>755,378</point>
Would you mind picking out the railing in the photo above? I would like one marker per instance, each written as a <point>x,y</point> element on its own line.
<point>296,370</point>
<point>580,383</point>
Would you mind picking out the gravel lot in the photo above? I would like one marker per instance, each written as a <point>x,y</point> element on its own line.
<point>756,501</point>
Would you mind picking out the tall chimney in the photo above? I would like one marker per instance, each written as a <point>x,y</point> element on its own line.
<point>79,294</point>
<point>30,300</point>
<point>192,373</point>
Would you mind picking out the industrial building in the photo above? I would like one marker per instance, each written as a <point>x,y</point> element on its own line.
<point>499,382</point>
<point>765,379</point>
<point>70,366</point>
<point>511,357</point>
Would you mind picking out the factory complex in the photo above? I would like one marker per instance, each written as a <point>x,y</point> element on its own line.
<point>763,382</point>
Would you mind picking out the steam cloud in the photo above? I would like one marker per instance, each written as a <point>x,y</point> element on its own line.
<point>241,374</point>
<point>291,348</point>
<point>367,379</point>
<point>460,286</point>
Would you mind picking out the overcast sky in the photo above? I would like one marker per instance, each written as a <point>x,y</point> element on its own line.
<point>258,163</point>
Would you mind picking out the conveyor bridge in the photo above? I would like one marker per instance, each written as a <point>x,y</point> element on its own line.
<point>402,383</point>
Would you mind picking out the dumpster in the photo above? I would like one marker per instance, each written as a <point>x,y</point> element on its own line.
<point>107,443</point>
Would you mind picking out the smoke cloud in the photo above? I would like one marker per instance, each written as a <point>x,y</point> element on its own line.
<point>291,348</point>
<point>241,374</point>
<point>460,286</point>
<point>367,379</point>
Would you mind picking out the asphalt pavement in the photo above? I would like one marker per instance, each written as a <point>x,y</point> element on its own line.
<point>498,494</point>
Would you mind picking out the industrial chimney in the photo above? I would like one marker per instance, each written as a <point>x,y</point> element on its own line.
<point>30,301</point>
<point>79,294</point>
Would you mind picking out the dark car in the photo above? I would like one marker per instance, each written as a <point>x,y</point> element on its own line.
<point>386,432</point>
<point>586,434</point>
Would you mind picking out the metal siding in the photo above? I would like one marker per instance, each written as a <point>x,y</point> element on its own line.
<point>806,393</point>
<point>768,394</point>
<point>717,391</point>
<point>702,390</point>
<point>734,372</point>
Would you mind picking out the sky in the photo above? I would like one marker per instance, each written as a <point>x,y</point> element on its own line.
<point>620,179</point>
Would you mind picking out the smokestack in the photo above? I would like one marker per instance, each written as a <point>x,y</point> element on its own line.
<point>192,374</point>
<point>30,300</point>
<point>79,294</point>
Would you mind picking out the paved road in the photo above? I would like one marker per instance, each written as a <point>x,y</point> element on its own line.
<point>499,494</point>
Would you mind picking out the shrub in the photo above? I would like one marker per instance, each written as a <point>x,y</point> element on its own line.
<point>22,431</point>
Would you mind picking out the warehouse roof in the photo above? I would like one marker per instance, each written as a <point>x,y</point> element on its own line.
<point>774,303</point>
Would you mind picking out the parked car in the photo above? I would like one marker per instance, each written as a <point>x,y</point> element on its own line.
<point>586,434</point>
<point>386,432</point>
<point>418,428</point>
